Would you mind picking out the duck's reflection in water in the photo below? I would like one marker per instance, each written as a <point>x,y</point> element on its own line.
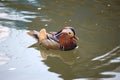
<point>70,65</point>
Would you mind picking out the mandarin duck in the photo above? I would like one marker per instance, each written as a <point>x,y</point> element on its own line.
<point>65,39</point>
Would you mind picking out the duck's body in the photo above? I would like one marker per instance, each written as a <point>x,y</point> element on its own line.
<point>64,39</point>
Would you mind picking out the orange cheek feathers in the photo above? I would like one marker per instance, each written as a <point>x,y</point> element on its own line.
<point>65,40</point>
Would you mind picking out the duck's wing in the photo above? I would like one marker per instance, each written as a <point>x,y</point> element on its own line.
<point>42,35</point>
<point>50,44</point>
<point>51,35</point>
<point>45,39</point>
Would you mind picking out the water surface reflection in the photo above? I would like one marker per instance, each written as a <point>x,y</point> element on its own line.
<point>72,65</point>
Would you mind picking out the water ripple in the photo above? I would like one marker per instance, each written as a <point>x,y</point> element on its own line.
<point>4,33</point>
<point>10,14</point>
<point>109,54</point>
<point>3,59</point>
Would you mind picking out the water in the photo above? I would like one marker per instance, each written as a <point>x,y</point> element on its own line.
<point>97,25</point>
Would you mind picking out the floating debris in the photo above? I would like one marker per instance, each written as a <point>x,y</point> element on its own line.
<point>46,24</point>
<point>47,20</point>
<point>108,5</point>
<point>96,24</point>
<point>77,57</point>
<point>39,8</point>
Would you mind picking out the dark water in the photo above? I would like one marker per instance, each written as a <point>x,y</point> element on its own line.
<point>97,24</point>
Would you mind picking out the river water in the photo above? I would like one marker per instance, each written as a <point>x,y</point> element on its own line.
<point>97,24</point>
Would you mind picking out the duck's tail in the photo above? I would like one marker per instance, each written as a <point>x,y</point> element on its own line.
<point>33,34</point>
<point>38,36</point>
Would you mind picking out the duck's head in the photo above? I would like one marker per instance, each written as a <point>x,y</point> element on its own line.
<point>68,32</point>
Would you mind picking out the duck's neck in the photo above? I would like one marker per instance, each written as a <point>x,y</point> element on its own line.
<point>56,36</point>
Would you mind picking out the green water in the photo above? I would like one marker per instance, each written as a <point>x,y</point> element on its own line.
<point>97,24</point>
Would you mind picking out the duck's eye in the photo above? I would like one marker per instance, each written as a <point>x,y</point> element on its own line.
<point>69,33</point>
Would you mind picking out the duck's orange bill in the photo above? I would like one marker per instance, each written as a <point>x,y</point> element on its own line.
<point>75,38</point>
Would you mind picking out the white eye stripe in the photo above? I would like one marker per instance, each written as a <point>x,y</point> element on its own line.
<point>67,31</point>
